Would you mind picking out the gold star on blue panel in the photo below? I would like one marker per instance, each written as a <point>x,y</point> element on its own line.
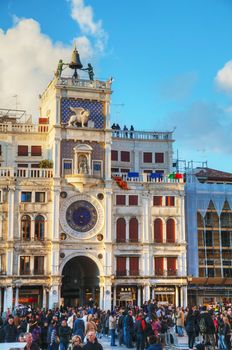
<point>95,108</point>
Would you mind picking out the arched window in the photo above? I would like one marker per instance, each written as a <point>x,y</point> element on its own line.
<point>121,230</point>
<point>158,231</point>
<point>26,227</point>
<point>133,230</point>
<point>39,228</point>
<point>171,234</point>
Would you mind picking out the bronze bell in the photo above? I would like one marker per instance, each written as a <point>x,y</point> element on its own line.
<point>75,61</point>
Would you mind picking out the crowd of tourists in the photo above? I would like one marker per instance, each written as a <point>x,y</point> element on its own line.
<point>150,327</point>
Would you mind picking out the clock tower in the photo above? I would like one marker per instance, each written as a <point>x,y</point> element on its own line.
<point>80,141</point>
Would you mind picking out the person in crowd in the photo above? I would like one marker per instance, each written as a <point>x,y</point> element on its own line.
<point>112,327</point>
<point>190,327</point>
<point>79,327</point>
<point>10,330</point>
<point>140,331</point>
<point>90,324</point>
<point>120,326</point>
<point>30,344</point>
<point>128,329</point>
<point>92,342</point>
<point>154,343</point>
<point>2,335</point>
<point>53,339</point>
<point>207,328</point>
<point>64,332</point>
<point>76,343</point>
<point>44,335</point>
<point>221,334</point>
<point>180,321</point>
<point>227,332</point>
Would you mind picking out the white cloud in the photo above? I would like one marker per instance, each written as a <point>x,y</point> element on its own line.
<point>83,15</point>
<point>29,58</point>
<point>224,77</point>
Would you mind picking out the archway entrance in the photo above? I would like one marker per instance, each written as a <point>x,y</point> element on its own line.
<point>80,281</point>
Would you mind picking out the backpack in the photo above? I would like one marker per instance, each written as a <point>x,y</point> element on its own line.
<point>203,325</point>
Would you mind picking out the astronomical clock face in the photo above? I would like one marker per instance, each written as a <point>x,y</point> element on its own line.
<point>82,216</point>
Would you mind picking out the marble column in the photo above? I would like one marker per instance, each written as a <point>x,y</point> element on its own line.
<point>44,297</point>
<point>139,296</point>
<point>185,296</point>
<point>108,216</point>
<point>181,296</point>
<point>9,298</point>
<point>177,295</point>
<point>101,297</point>
<point>114,296</point>
<point>16,295</point>
<point>11,214</point>
<point>107,297</point>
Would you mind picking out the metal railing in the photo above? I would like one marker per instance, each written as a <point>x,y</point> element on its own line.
<point>146,178</point>
<point>125,273</point>
<point>142,135</point>
<point>166,273</point>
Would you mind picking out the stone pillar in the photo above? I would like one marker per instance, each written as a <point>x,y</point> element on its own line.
<point>145,205</point>
<point>107,297</point>
<point>102,297</point>
<point>44,297</point>
<point>1,226</point>
<point>5,299</point>
<point>1,301</point>
<point>177,295</point>
<point>108,161</point>
<point>108,216</point>
<point>11,214</point>
<point>9,298</point>
<point>55,214</point>
<point>9,262</point>
<point>56,158</point>
<point>107,113</point>
<point>136,161</point>
<point>58,120</point>
<point>153,293</point>
<point>53,297</point>
<point>181,297</point>
<point>114,296</point>
<point>182,219</point>
<point>185,296</point>
<point>16,296</point>
<point>127,228</point>
<point>146,292</point>
<point>139,296</point>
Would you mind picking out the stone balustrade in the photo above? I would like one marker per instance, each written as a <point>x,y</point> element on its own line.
<point>23,128</point>
<point>26,173</point>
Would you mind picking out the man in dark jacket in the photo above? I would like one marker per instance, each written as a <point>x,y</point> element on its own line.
<point>128,329</point>
<point>10,331</point>
<point>64,335</point>
<point>207,328</point>
<point>92,343</point>
<point>140,328</point>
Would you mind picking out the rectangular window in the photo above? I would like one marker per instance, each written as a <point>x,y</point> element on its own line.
<point>35,166</point>
<point>22,165</point>
<point>114,170</point>
<point>147,157</point>
<point>171,266</point>
<point>39,197</point>
<point>159,157</point>
<point>159,266</point>
<point>125,170</point>
<point>36,151</point>
<point>22,150</point>
<point>211,272</point>
<point>114,155</point>
<point>134,265</point>
<point>133,200</point>
<point>170,201</point>
<point>25,197</point>
<point>225,238</point>
<point>157,201</point>
<point>39,265</point>
<point>209,238</point>
<point>147,171</point>
<point>97,168</point>
<point>67,166</point>
<point>125,156</point>
<point>24,265</point>
<point>121,266</point>
<point>120,199</point>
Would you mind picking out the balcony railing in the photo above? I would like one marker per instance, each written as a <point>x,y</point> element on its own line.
<point>86,84</point>
<point>127,241</point>
<point>23,128</point>
<point>123,273</point>
<point>166,273</point>
<point>142,135</point>
<point>26,173</point>
<point>146,178</point>
<point>31,273</point>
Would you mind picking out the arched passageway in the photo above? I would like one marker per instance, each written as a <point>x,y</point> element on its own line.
<point>80,281</point>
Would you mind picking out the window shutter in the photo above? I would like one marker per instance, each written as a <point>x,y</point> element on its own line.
<point>125,156</point>
<point>171,266</point>
<point>170,201</point>
<point>22,150</point>
<point>159,158</point>
<point>134,265</point>
<point>157,200</point>
<point>133,200</point>
<point>133,230</point>
<point>147,157</point>
<point>158,231</point>
<point>171,231</point>
<point>159,265</point>
<point>114,155</point>
<point>120,199</point>
<point>121,265</point>
<point>121,230</point>
<point>36,150</point>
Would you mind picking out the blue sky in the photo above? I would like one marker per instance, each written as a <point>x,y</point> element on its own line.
<point>171,61</point>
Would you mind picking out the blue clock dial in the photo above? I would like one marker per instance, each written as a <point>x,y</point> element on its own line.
<point>81,216</point>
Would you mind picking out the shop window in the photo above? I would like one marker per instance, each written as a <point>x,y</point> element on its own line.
<point>121,230</point>
<point>125,156</point>
<point>120,199</point>
<point>36,151</point>
<point>26,228</point>
<point>170,234</point>
<point>133,200</point>
<point>39,197</point>
<point>157,201</point>
<point>159,266</point>
<point>171,266</point>
<point>24,265</point>
<point>158,231</point>
<point>22,150</point>
<point>39,228</point>
<point>159,157</point>
<point>114,155</point>
<point>134,265</point>
<point>133,230</point>
<point>147,157</point>
<point>170,201</point>
<point>121,266</point>
<point>39,265</point>
<point>26,197</point>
